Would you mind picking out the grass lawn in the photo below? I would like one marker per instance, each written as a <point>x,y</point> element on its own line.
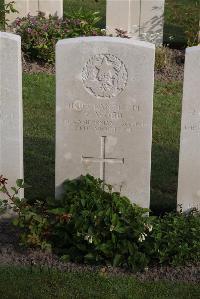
<point>181,16</point>
<point>39,139</point>
<point>18,283</point>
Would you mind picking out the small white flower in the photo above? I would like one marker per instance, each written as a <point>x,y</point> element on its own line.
<point>86,237</point>
<point>150,227</point>
<point>90,239</point>
<point>112,228</point>
<point>142,237</point>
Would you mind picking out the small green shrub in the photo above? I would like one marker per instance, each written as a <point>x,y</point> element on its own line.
<point>100,226</point>
<point>175,239</point>
<point>93,224</point>
<point>40,34</point>
<point>87,224</point>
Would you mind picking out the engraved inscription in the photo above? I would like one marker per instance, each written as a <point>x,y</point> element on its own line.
<point>104,76</point>
<point>107,117</point>
<point>195,127</point>
<point>192,123</point>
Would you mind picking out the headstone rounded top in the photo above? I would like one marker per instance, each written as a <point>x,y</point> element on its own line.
<point>124,41</point>
<point>10,36</point>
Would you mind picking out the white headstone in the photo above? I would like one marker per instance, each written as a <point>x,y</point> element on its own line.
<point>189,162</point>
<point>11,117</point>
<point>51,7</point>
<point>25,7</point>
<point>104,113</point>
<point>142,19</point>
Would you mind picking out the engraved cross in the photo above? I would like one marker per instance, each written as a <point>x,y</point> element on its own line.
<point>102,159</point>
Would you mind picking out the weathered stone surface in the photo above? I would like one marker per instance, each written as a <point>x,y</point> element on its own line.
<point>104,113</point>
<point>142,19</point>
<point>51,7</point>
<point>11,118</point>
<point>25,7</point>
<point>189,163</point>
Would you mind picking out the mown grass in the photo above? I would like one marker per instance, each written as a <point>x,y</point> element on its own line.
<point>39,139</point>
<point>18,283</point>
<point>181,22</point>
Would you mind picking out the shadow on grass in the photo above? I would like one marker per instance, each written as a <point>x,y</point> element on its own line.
<point>164,178</point>
<point>174,36</point>
<point>39,165</point>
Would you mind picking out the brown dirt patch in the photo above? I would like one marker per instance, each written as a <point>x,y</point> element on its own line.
<point>36,67</point>
<point>175,70</point>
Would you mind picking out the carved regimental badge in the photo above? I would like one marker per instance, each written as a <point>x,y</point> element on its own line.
<point>104,76</point>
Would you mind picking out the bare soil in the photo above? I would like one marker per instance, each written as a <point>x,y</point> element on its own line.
<point>174,71</point>
<point>36,67</point>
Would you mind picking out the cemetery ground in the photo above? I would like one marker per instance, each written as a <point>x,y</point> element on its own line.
<point>84,282</point>
<point>16,282</point>
<point>77,281</point>
<point>21,279</point>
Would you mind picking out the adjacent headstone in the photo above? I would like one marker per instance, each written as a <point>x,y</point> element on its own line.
<point>189,163</point>
<point>142,19</point>
<point>51,7</point>
<point>104,113</point>
<point>11,118</point>
<point>25,7</point>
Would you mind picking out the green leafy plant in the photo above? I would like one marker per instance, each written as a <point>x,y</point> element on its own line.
<point>40,34</point>
<point>175,239</point>
<point>30,217</point>
<point>10,201</point>
<point>5,9</point>
<point>88,224</point>
<point>99,226</point>
<point>92,224</point>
